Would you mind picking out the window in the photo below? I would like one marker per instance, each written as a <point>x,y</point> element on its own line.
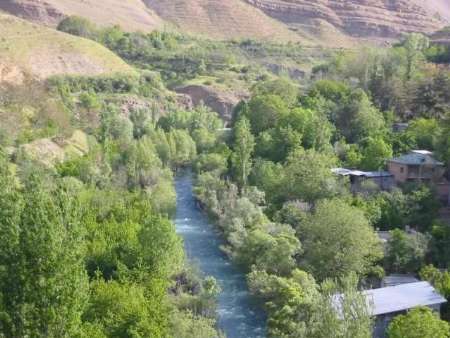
<point>402,170</point>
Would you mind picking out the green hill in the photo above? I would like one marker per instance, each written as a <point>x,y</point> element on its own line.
<point>28,49</point>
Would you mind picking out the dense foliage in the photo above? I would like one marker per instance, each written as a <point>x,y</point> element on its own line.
<point>88,249</point>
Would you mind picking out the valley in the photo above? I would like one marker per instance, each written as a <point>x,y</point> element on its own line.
<point>213,169</point>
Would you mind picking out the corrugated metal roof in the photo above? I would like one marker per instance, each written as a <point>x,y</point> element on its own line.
<point>397,298</point>
<point>402,297</point>
<point>372,174</point>
<point>398,279</point>
<point>423,152</point>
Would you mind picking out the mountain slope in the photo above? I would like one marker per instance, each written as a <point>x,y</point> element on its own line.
<point>436,7</point>
<point>221,19</point>
<point>333,23</point>
<point>358,18</point>
<point>326,22</point>
<point>129,14</point>
<point>29,49</point>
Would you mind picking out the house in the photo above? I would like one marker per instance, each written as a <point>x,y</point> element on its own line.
<point>388,302</point>
<point>420,166</point>
<point>416,166</point>
<point>359,180</point>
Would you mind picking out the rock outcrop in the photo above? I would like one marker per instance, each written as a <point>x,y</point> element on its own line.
<point>221,102</point>
<point>221,19</point>
<point>53,151</point>
<point>332,23</point>
<point>357,18</point>
<point>129,14</point>
<point>36,11</point>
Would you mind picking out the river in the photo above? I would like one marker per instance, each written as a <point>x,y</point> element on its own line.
<point>238,317</point>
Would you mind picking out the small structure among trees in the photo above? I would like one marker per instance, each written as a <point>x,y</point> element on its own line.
<point>389,302</point>
<point>384,180</point>
<point>420,166</point>
<point>416,166</point>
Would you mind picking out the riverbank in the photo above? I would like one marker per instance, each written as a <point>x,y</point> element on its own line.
<point>238,316</point>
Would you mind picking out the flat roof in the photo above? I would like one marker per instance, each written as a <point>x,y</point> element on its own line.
<point>402,297</point>
<point>423,152</point>
<point>349,172</point>
<point>393,299</point>
<point>417,157</point>
<point>398,279</point>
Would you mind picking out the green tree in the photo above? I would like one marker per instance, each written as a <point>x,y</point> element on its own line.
<point>440,245</point>
<point>375,154</point>
<point>211,162</point>
<point>405,253</point>
<point>357,118</point>
<point>444,139</point>
<point>288,301</point>
<point>299,308</point>
<point>422,207</point>
<point>308,176</point>
<point>418,323</point>
<point>439,279</point>
<point>79,26</point>
<point>244,144</point>
<point>425,132</point>
<point>187,325</point>
<point>127,310</point>
<point>273,251</point>
<point>281,87</point>
<point>182,148</point>
<point>314,127</point>
<point>414,45</point>
<point>338,240</point>
<point>269,177</point>
<point>341,310</point>
<point>44,283</point>
<point>265,111</point>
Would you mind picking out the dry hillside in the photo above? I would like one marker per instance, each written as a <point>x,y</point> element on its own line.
<point>372,19</point>
<point>221,19</point>
<point>129,14</point>
<point>324,22</point>
<point>327,22</point>
<point>436,7</point>
<point>27,48</point>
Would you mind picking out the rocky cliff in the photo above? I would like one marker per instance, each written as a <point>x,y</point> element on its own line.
<point>358,18</point>
<point>222,19</point>
<point>129,14</point>
<point>221,102</point>
<point>324,22</point>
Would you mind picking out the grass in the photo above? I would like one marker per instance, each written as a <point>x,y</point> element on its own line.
<point>44,52</point>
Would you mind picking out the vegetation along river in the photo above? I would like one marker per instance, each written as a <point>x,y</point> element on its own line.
<point>238,317</point>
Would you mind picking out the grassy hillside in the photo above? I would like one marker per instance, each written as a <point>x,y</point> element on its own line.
<point>27,48</point>
<point>222,19</point>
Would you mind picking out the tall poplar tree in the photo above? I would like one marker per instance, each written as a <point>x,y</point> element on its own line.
<point>244,144</point>
<point>43,282</point>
